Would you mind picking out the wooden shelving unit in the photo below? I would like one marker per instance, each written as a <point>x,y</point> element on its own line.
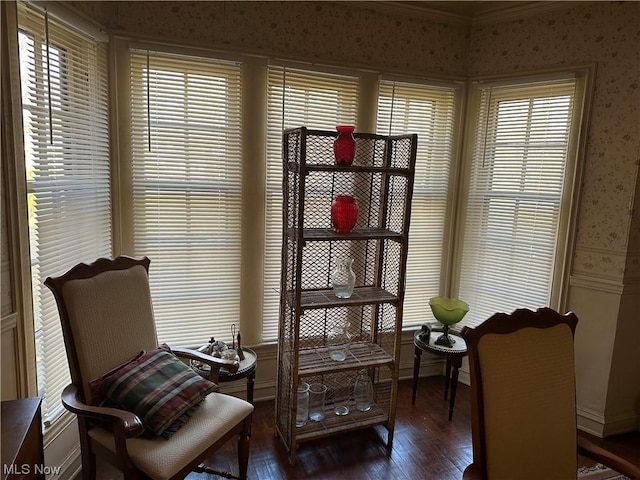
<point>381,179</point>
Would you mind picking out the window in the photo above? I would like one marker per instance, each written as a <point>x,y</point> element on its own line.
<point>430,112</point>
<point>64,101</point>
<point>295,98</point>
<point>186,175</point>
<point>513,235</point>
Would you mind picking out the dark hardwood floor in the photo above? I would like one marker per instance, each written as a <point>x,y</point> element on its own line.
<point>426,445</point>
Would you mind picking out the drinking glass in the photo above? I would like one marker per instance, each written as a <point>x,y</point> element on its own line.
<point>341,398</point>
<point>302,412</point>
<point>317,393</point>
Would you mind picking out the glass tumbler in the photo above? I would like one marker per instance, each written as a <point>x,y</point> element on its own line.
<point>341,400</point>
<point>302,412</point>
<point>317,392</point>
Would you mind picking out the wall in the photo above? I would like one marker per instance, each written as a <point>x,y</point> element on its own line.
<point>605,280</point>
<point>9,380</point>
<point>337,32</point>
<point>17,336</point>
<point>8,317</point>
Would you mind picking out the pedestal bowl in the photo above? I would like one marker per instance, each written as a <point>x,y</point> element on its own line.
<point>448,311</point>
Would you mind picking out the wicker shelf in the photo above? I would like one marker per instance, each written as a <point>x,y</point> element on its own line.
<point>332,423</point>
<point>361,355</point>
<point>327,234</point>
<point>325,298</point>
<point>295,167</point>
<point>381,180</point>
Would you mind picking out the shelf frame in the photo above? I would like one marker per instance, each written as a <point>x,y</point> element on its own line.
<point>381,178</point>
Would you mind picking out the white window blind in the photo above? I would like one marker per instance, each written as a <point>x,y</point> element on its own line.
<point>64,106</point>
<point>514,198</point>
<point>428,111</point>
<point>185,140</point>
<point>295,98</point>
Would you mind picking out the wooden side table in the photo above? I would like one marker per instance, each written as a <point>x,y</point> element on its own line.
<point>246,369</point>
<point>453,356</point>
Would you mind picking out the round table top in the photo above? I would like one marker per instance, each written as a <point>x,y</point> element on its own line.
<point>245,368</point>
<point>458,348</point>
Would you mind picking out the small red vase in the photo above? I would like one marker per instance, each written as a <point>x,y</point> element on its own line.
<point>344,213</point>
<point>344,146</point>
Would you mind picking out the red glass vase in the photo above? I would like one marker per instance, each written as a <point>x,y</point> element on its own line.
<point>344,213</point>
<point>344,146</point>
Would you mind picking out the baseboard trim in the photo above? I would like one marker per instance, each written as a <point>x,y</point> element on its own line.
<point>595,423</point>
<point>265,390</point>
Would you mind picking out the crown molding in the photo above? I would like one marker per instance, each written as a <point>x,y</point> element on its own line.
<point>428,11</point>
<point>514,12</point>
<point>419,10</point>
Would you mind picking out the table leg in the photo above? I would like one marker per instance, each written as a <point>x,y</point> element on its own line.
<point>447,376</point>
<point>250,381</point>
<point>416,369</point>
<point>457,363</point>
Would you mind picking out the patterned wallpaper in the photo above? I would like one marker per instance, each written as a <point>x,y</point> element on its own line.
<point>342,32</point>
<point>604,33</point>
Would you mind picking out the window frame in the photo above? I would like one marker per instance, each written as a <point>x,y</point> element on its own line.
<point>457,90</point>
<point>202,67</point>
<point>325,76</point>
<point>570,200</point>
<point>79,63</point>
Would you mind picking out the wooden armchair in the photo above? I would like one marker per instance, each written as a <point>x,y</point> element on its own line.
<point>107,320</point>
<point>523,399</point>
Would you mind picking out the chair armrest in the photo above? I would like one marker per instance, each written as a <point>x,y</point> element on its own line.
<point>607,458</point>
<point>214,363</point>
<point>128,421</point>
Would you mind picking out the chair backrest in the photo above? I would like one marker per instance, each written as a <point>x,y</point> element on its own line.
<point>106,314</point>
<point>523,395</point>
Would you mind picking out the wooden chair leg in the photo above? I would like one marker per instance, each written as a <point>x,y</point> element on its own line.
<point>417,354</point>
<point>243,449</point>
<point>88,465</point>
<point>87,456</point>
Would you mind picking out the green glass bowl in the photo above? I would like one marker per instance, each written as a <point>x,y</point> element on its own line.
<point>448,311</point>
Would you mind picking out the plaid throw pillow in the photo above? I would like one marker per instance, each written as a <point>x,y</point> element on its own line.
<point>158,388</point>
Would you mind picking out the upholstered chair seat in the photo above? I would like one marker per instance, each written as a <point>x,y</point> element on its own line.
<point>160,459</point>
